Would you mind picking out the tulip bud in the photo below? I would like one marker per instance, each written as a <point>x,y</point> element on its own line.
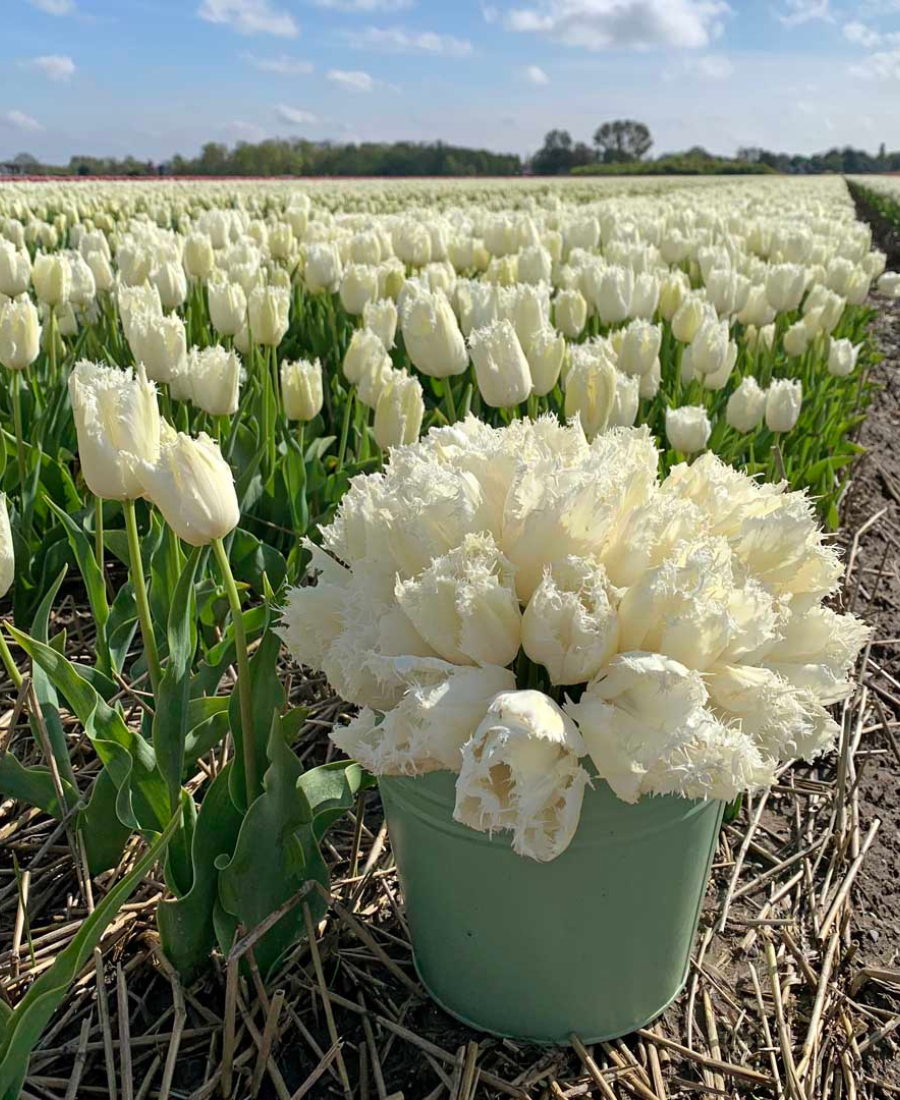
<point>625,406</point>
<point>796,339</point>
<point>20,333</point>
<point>192,485</point>
<point>227,307</point>
<point>501,368</point>
<point>364,352</point>
<point>545,353</point>
<point>432,337</point>
<point>614,294</point>
<point>117,423</point>
<point>359,286</point>
<point>391,277</point>
<point>323,268</point>
<point>746,406</point>
<point>301,389</point>
<point>757,310</point>
<point>688,428</point>
<point>526,738</point>
<point>570,625</point>
<point>590,390</point>
<point>171,282</point>
<point>268,309</point>
<point>645,298</point>
<point>672,292</point>
<point>376,375</point>
<point>399,412</point>
<point>785,284</point>
<point>281,242</point>
<point>889,284</point>
<point>52,278</point>
<point>199,259</point>
<point>766,337</point>
<point>15,269</point>
<point>535,265</point>
<point>66,321</point>
<point>783,403</point>
<point>7,551</point>
<point>688,318</point>
<point>464,604</point>
<point>842,356</point>
<point>639,349</point>
<point>380,317</point>
<point>570,313</point>
<point>104,280</point>
<point>213,377</point>
<point>649,383</point>
<point>858,286</point>
<point>160,343</point>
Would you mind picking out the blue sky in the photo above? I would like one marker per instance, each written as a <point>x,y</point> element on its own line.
<point>154,77</point>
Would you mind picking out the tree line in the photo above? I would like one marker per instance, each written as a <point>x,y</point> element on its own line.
<point>618,147</point>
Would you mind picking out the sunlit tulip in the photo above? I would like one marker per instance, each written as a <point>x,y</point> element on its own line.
<point>570,312</point>
<point>323,268</point>
<point>889,284</point>
<point>227,307</point>
<point>796,339</point>
<point>380,317</point>
<point>117,423</point>
<point>399,411</point>
<point>783,403</point>
<point>746,406</point>
<point>192,485</point>
<point>160,344</point>
<point>688,428</point>
<point>268,309</point>
<point>785,284</point>
<point>213,377</point>
<point>199,259</point>
<point>527,738</point>
<point>591,392</point>
<point>7,551</point>
<point>639,348</point>
<point>301,389</point>
<point>501,368</point>
<point>432,337</point>
<point>545,353</point>
<point>359,286</point>
<point>15,269</point>
<point>52,278</point>
<point>170,280</point>
<point>688,318</point>
<point>20,333</point>
<point>842,356</point>
<point>614,294</point>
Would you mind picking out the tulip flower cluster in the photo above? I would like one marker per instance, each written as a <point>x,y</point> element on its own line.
<point>535,610</point>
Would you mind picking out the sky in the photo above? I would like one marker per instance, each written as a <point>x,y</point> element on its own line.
<point>156,77</point>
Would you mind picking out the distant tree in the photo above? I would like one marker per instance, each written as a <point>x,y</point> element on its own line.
<point>623,140</point>
<point>558,154</point>
<point>26,161</point>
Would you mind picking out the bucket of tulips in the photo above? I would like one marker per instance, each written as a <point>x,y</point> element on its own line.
<point>565,668</point>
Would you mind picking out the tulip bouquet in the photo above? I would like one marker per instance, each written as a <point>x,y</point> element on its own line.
<point>536,612</point>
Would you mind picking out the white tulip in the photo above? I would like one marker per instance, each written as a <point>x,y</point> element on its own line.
<point>7,551</point>
<point>591,387</point>
<point>570,625</point>
<point>268,311</point>
<point>192,485</point>
<point>227,307</point>
<point>213,377</point>
<point>160,344</point>
<point>746,406</point>
<point>570,312</point>
<point>783,402</point>
<point>301,389</point>
<point>380,316</point>
<point>501,367</point>
<point>15,269</point>
<point>359,287</point>
<point>842,356</point>
<point>52,278</point>
<point>688,428</point>
<point>399,411</point>
<point>20,333</point>
<point>639,349</point>
<point>117,421</point>
<point>534,746</point>
<point>545,353</point>
<point>432,337</point>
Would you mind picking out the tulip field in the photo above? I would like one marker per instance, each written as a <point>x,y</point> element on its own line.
<point>307,484</point>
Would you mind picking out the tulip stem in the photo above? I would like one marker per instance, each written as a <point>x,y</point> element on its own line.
<point>140,595</point>
<point>98,534</point>
<point>451,404</point>
<point>20,445</point>
<point>248,747</point>
<point>11,667</point>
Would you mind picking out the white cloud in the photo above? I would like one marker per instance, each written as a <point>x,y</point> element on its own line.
<point>599,24</point>
<point>399,40</point>
<point>536,75</point>
<point>365,5</point>
<point>283,65</point>
<point>861,35</point>
<point>295,116</point>
<point>490,13</point>
<point>21,121</point>
<point>713,66</point>
<point>248,130</point>
<point>53,66</point>
<point>54,7</point>
<point>354,80</point>
<point>249,17</point>
<point>798,12</point>
<point>883,65</point>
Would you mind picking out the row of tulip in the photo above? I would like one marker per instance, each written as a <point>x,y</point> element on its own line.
<point>233,368</point>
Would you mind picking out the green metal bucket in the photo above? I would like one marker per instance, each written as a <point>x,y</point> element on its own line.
<point>596,942</point>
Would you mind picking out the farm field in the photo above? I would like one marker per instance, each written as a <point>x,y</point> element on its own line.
<point>543,487</point>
